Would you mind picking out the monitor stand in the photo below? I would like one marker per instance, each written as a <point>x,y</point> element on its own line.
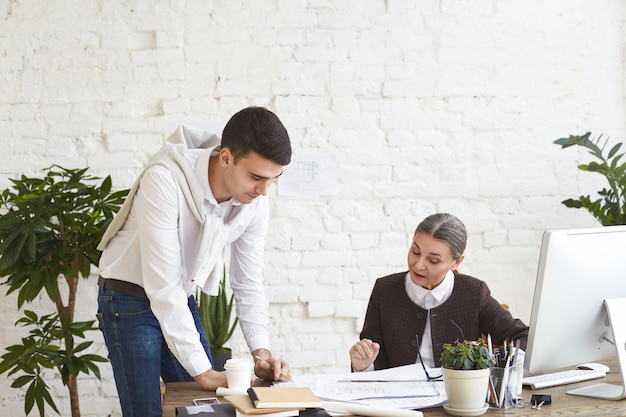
<point>616,311</point>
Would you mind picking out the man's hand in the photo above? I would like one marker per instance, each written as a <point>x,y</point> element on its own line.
<point>363,354</point>
<point>268,367</point>
<point>211,379</point>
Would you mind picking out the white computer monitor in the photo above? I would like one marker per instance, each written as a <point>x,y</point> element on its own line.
<point>570,321</point>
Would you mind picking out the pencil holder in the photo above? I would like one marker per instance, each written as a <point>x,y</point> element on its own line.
<point>502,387</point>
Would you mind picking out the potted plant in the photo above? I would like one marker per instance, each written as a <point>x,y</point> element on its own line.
<point>215,314</point>
<point>49,231</point>
<point>466,366</point>
<point>610,208</point>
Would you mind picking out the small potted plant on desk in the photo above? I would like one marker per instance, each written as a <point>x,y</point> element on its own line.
<point>466,367</point>
<point>215,314</point>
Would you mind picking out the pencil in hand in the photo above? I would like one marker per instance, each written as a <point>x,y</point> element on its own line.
<point>284,375</point>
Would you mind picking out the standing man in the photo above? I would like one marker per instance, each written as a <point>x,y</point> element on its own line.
<point>194,197</point>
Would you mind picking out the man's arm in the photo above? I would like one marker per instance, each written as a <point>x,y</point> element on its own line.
<point>210,380</point>
<point>246,279</point>
<point>158,208</point>
<point>268,367</point>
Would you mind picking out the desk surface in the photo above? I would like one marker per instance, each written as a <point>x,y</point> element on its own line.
<point>182,393</point>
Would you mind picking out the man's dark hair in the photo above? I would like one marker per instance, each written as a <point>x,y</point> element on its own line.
<point>256,129</point>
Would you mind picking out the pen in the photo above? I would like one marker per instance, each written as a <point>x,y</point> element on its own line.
<point>496,354</point>
<point>492,392</point>
<point>515,353</point>
<point>284,375</point>
<point>502,383</point>
<point>381,380</point>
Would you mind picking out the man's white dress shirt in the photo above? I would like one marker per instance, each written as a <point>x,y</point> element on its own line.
<point>162,241</point>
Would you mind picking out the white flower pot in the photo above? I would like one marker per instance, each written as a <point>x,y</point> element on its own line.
<point>466,391</point>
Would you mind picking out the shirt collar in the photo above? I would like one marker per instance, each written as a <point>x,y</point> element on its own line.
<point>435,297</point>
<point>202,172</point>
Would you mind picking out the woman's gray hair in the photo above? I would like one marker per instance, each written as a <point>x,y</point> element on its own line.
<point>447,228</point>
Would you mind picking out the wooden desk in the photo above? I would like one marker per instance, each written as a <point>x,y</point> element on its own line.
<point>182,393</point>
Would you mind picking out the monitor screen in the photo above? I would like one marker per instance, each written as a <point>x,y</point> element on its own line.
<point>578,270</point>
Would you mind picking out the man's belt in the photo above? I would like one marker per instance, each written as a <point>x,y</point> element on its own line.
<point>127,288</point>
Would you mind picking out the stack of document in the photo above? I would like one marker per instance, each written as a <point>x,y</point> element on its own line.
<point>273,402</point>
<point>403,387</point>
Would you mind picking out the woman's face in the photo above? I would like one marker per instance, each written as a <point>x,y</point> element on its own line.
<point>430,260</point>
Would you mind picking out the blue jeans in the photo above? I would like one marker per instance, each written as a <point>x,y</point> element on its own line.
<point>138,352</point>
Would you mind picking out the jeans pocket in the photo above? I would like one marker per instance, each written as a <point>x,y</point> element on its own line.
<point>100,318</point>
<point>127,305</point>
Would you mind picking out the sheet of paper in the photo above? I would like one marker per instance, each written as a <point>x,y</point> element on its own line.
<point>401,387</point>
<point>309,174</point>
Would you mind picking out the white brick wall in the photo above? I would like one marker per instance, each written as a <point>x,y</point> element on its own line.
<point>427,106</point>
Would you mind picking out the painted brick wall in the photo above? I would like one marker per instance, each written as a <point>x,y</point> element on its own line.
<point>433,105</point>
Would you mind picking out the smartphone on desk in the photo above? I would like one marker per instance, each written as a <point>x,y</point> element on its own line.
<point>202,401</point>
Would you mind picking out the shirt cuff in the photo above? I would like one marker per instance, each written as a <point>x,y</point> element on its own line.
<point>368,369</point>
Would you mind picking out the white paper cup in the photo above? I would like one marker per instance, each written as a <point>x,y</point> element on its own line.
<point>238,373</point>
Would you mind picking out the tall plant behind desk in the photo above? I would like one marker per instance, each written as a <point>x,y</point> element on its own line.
<point>215,315</point>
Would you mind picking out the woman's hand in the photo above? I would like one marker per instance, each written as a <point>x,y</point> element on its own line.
<point>363,354</point>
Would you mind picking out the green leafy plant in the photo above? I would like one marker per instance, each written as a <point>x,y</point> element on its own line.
<point>49,231</point>
<point>610,208</point>
<point>215,314</point>
<point>467,355</point>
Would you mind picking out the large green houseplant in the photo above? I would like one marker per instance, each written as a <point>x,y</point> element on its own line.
<point>610,208</point>
<point>49,230</point>
<point>215,314</point>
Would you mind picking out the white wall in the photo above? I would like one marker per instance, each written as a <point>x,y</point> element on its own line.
<point>433,105</point>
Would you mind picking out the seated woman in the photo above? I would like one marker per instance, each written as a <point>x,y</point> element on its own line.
<point>431,304</point>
